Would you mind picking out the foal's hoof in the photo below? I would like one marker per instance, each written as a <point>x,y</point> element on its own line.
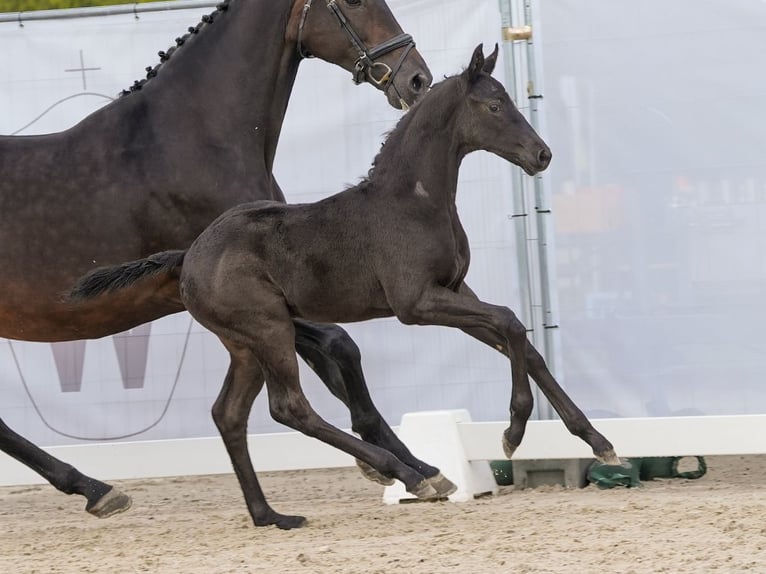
<point>113,502</point>
<point>374,475</point>
<point>442,485</point>
<point>609,457</point>
<point>283,521</point>
<point>508,448</point>
<point>424,491</point>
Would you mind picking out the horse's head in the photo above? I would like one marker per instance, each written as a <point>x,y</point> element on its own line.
<point>490,121</point>
<point>363,37</point>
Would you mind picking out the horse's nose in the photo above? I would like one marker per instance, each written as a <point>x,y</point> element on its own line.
<point>419,83</point>
<point>544,157</point>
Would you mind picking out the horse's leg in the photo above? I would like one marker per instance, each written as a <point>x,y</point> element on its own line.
<point>335,358</point>
<point>273,339</point>
<point>573,418</point>
<point>436,305</point>
<point>231,410</point>
<point>103,499</point>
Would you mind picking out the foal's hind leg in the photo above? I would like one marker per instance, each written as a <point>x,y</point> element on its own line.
<point>103,500</point>
<point>334,356</point>
<point>273,339</point>
<point>243,382</point>
<point>574,419</point>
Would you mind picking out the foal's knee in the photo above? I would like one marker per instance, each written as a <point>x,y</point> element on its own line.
<point>514,330</point>
<point>535,361</point>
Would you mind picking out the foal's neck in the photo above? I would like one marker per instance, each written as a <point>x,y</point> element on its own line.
<point>423,154</point>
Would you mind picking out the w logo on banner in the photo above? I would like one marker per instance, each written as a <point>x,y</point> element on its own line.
<point>132,348</point>
<point>114,387</point>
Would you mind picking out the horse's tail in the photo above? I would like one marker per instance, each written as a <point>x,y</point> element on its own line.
<point>118,277</point>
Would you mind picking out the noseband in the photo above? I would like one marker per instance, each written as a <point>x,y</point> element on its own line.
<point>365,66</point>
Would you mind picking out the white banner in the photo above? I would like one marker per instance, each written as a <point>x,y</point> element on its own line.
<point>655,117</point>
<point>658,181</point>
<point>162,380</point>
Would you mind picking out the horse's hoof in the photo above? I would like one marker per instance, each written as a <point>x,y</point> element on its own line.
<point>508,448</point>
<point>283,521</point>
<point>424,491</point>
<point>442,485</point>
<point>609,457</point>
<point>370,473</point>
<point>113,502</point>
<point>289,522</point>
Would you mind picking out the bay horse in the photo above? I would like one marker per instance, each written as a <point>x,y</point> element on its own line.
<point>391,246</point>
<point>152,169</point>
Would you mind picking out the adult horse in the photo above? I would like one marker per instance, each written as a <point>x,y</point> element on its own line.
<point>391,246</point>
<point>158,164</point>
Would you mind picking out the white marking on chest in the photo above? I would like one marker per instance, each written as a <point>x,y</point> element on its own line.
<point>420,191</point>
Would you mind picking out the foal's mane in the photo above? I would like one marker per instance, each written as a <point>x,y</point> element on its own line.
<point>165,55</point>
<point>416,125</point>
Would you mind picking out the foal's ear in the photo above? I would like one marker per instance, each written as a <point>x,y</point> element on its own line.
<point>476,66</point>
<point>490,61</point>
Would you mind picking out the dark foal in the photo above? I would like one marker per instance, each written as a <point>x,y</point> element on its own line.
<point>152,169</point>
<point>392,245</point>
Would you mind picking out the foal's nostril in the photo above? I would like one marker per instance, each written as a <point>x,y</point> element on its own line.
<point>544,156</point>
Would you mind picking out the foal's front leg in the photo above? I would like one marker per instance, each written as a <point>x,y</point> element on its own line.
<point>441,306</point>
<point>574,419</point>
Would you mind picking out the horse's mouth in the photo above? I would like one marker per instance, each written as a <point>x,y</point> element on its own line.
<point>531,171</point>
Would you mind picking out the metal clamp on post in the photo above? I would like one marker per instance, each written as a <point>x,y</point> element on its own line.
<point>513,33</point>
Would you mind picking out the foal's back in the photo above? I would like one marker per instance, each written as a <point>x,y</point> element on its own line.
<point>318,257</point>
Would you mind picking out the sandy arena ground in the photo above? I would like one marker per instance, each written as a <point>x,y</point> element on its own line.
<point>199,525</point>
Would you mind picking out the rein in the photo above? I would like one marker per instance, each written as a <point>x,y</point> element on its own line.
<point>365,65</point>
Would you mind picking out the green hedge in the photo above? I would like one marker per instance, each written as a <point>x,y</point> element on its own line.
<point>28,5</point>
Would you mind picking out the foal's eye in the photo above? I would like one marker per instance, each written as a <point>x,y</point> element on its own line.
<point>353,2</point>
<point>494,108</point>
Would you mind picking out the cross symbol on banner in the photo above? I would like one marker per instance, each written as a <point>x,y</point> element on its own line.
<point>82,69</point>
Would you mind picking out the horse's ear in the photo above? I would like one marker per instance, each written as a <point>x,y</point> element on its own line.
<point>490,61</point>
<point>477,64</point>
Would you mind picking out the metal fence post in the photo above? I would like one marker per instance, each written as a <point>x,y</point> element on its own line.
<point>533,231</point>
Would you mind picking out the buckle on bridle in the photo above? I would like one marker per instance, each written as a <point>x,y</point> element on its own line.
<point>365,66</point>
<point>364,69</point>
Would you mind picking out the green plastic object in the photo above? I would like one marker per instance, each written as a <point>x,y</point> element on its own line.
<point>503,471</point>
<point>667,467</point>
<point>634,470</point>
<point>612,475</point>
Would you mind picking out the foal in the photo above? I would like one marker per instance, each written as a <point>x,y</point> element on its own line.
<point>392,245</point>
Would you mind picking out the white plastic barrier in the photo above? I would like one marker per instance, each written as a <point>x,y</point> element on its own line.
<point>473,441</point>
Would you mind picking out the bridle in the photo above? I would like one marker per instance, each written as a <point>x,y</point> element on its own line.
<point>366,65</point>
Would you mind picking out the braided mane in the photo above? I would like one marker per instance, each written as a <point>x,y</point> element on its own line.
<point>165,55</point>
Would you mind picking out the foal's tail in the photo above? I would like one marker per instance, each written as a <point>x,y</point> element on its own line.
<point>111,279</point>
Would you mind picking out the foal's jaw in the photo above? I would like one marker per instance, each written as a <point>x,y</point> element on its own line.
<point>531,163</point>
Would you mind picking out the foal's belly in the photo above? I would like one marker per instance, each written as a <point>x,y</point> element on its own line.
<point>325,304</point>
